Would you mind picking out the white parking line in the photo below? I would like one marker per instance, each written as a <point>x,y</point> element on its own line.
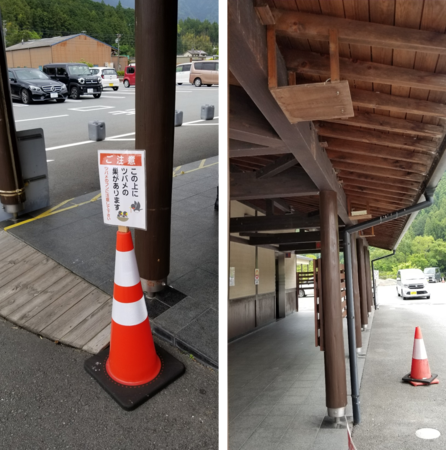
<point>91,108</point>
<point>73,101</point>
<point>199,124</point>
<point>19,105</point>
<point>110,96</point>
<point>41,118</point>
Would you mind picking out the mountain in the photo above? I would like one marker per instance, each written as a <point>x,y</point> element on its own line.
<point>194,9</point>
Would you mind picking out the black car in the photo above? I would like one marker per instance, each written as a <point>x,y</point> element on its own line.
<point>76,77</point>
<point>31,85</point>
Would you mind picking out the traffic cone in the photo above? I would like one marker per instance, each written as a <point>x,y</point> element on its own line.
<point>132,358</point>
<point>133,369</point>
<point>420,370</point>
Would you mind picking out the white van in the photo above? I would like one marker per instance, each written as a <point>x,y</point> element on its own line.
<point>182,73</point>
<point>411,283</point>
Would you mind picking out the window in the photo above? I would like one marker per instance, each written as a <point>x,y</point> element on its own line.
<point>131,69</point>
<point>94,71</point>
<point>51,71</point>
<point>179,69</point>
<point>10,75</point>
<point>61,72</point>
<point>217,67</point>
<point>108,72</point>
<point>198,66</point>
<point>208,66</point>
<point>187,68</point>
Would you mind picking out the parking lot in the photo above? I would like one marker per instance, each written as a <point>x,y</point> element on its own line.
<point>72,158</point>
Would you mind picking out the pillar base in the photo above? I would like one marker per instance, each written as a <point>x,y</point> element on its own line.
<point>336,412</point>
<point>11,209</point>
<point>364,327</point>
<point>359,350</point>
<point>152,286</point>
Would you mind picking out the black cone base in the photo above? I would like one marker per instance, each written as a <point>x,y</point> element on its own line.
<point>430,380</point>
<point>130,397</point>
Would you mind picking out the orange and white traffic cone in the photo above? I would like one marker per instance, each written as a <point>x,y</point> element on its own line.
<point>420,374</point>
<point>133,360</point>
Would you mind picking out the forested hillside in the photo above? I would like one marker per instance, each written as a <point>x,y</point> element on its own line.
<point>35,19</point>
<point>424,244</point>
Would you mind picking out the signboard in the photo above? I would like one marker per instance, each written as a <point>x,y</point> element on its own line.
<point>123,187</point>
<point>232,270</point>
<point>256,276</point>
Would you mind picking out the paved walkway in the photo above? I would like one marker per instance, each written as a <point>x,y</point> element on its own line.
<point>73,235</point>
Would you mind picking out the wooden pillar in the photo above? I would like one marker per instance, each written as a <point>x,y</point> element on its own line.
<point>334,353</point>
<point>356,290</point>
<point>362,283</point>
<point>368,279</point>
<point>155,40</point>
<point>281,274</point>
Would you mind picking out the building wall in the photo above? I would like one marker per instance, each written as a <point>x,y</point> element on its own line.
<point>19,58</point>
<point>245,311</point>
<point>82,48</point>
<point>40,56</point>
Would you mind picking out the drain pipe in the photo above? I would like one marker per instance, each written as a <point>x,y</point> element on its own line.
<point>355,390</point>
<point>376,306</point>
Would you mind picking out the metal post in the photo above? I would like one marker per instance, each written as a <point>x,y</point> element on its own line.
<point>156,41</point>
<point>334,354</point>
<point>376,306</point>
<point>351,318</point>
<point>362,284</point>
<point>356,291</point>
<point>12,190</point>
<point>368,278</point>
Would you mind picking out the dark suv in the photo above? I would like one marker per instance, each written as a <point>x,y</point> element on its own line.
<point>77,78</point>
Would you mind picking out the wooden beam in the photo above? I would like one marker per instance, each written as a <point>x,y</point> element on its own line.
<point>282,205</point>
<point>286,238</point>
<point>334,55</point>
<point>315,27</point>
<point>247,48</point>
<point>280,165</point>
<point>303,248</point>
<point>264,12</point>
<point>375,161</point>
<point>309,63</point>
<point>292,183</point>
<point>374,179</point>
<point>291,78</point>
<point>393,124</point>
<point>389,193</point>
<point>272,223</point>
<point>349,133</point>
<point>361,148</point>
<point>271,55</point>
<point>239,240</point>
<point>378,100</point>
<point>391,173</point>
<point>256,151</point>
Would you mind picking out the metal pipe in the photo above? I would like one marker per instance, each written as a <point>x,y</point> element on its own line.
<point>374,280</point>
<point>355,390</point>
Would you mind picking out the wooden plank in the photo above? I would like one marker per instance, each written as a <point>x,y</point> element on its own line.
<point>92,325</point>
<point>99,342</point>
<point>6,238</point>
<point>264,13</point>
<point>309,63</point>
<point>291,77</point>
<point>361,148</point>
<point>49,314</point>
<point>387,163</point>
<point>75,315</point>
<point>316,26</point>
<point>334,55</point>
<point>271,57</point>
<point>391,193</point>
<point>238,149</point>
<point>35,282</point>
<point>278,166</point>
<point>44,299</point>
<point>9,277</point>
<point>292,183</point>
<point>349,133</point>
<point>271,223</point>
<point>392,124</point>
<point>379,100</point>
<point>317,101</point>
<point>391,173</point>
<point>13,255</point>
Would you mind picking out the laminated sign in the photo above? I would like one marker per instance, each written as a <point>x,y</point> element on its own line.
<point>123,187</point>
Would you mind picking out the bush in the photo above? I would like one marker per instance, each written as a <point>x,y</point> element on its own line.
<point>120,73</point>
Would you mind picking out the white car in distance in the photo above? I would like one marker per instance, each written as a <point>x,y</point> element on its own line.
<point>411,283</point>
<point>182,73</point>
<point>109,77</point>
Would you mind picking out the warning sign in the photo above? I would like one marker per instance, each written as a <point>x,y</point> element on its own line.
<point>123,187</point>
<point>256,277</point>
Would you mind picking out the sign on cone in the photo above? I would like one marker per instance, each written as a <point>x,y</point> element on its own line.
<point>420,370</point>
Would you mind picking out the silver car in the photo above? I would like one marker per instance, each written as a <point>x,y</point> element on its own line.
<point>411,283</point>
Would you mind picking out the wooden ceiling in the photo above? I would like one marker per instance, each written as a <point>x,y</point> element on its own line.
<point>392,53</point>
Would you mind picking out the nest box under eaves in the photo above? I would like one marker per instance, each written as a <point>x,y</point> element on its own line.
<point>315,101</point>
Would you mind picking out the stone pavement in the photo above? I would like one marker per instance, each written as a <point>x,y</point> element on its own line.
<point>73,234</point>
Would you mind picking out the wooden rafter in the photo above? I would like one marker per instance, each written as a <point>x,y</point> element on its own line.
<point>363,178</point>
<point>280,165</point>
<point>316,64</point>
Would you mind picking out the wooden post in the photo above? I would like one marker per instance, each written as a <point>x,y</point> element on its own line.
<point>334,55</point>
<point>334,353</point>
<point>368,279</point>
<point>362,283</point>
<point>156,40</point>
<point>271,56</point>
<point>291,75</point>
<point>356,289</point>
<point>281,286</point>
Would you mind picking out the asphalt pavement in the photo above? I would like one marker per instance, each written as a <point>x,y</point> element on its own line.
<point>72,158</point>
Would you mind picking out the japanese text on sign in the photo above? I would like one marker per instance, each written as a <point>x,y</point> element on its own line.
<point>122,179</point>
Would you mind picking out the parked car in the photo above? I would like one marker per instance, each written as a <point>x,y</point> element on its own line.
<point>204,72</point>
<point>31,85</point>
<point>76,77</point>
<point>182,73</point>
<point>129,75</point>
<point>433,274</point>
<point>411,283</point>
<point>109,77</point>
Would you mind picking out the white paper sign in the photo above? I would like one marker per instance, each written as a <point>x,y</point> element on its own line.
<point>122,175</point>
